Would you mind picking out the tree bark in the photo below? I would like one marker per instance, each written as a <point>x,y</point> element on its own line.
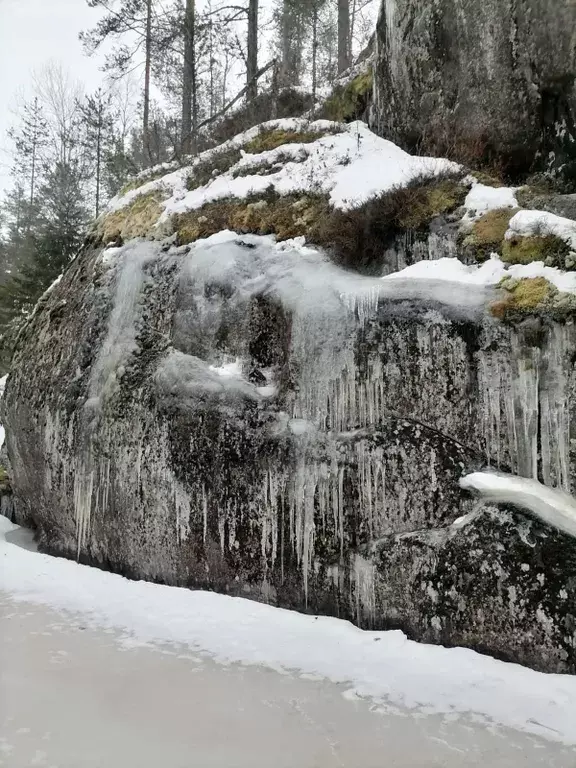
<point>252,52</point>
<point>344,61</point>
<point>189,110</point>
<point>314,53</point>
<point>147,70</point>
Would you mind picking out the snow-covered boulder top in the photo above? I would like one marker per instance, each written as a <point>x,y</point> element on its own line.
<point>356,195</point>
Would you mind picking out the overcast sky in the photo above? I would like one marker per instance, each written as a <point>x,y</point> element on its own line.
<point>33,32</point>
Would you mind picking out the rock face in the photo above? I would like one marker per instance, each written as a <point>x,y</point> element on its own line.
<point>468,76</point>
<point>247,417</point>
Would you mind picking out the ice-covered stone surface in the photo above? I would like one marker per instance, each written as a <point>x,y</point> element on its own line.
<point>247,417</point>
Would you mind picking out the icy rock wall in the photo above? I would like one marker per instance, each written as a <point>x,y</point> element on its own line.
<point>247,417</point>
<point>463,75</point>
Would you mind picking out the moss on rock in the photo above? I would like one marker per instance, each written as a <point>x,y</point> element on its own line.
<point>267,139</point>
<point>550,249</point>
<point>488,233</point>
<point>533,296</point>
<point>349,102</point>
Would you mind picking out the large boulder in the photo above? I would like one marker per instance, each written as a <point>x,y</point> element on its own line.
<point>244,415</point>
<point>479,77</point>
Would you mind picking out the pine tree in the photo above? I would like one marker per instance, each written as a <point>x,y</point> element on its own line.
<point>97,122</point>
<point>53,242</point>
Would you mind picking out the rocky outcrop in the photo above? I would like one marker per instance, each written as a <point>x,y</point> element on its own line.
<point>476,78</point>
<point>216,409</point>
<point>246,417</point>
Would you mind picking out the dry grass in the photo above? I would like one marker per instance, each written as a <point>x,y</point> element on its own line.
<point>134,220</point>
<point>272,139</point>
<point>359,237</point>
<point>269,214</point>
<point>218,163</point>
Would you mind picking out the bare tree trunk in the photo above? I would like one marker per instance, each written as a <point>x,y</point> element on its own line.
<point>315,53</point>
<point>147,70</point>
<point>286,30</point>
<point>34,152</point>
<point>252,51</point>
<point>343,35</point>
<point>189,108</point>
<point>99,152</point>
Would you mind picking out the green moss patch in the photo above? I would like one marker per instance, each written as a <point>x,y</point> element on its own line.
<point>488,232</point>
<point>550,249</point>
<point>266,140</point>
<point>533,296</point>
<point>349,102</point>
<point>216,164</point>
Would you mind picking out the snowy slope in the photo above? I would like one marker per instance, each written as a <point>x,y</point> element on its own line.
<point>384,666</point>
<point>349,162</point>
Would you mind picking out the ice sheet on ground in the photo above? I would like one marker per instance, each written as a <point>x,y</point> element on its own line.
<point>383,665</point>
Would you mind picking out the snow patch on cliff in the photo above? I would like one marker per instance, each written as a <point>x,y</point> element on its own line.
<point>491,272</point>
<point>483,198</point>
<point>550,505</point>
<point>384,666</point>
<point>529,223</point>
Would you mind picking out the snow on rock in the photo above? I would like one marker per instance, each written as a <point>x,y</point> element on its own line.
<point>491,272</point>
<point>528,223</point>
<point>482,199</point>
<point>550,505</point>
<point>3,381</point>
<point>348,162</point>
<point>384,666</point>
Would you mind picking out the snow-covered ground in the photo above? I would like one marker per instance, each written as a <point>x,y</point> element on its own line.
<point>73,697</point>
<point>396,676</point>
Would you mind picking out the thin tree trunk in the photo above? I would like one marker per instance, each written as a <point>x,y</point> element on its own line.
<point>34,150</point>
<point>314,53</point>
<point>147,70</point>
<point>98,155</point>
<point>189,110</point>
<point>343,35</point>
<point>286,45</point>
<point>252,51</point>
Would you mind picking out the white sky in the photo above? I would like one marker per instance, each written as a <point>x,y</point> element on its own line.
<point>33,32</point>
